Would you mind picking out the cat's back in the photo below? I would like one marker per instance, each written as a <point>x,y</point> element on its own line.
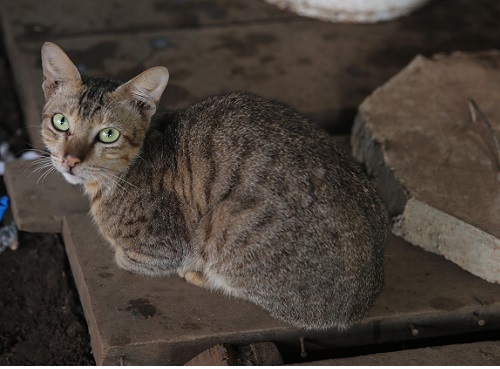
<point>240,140</point>
<point>270,196</point>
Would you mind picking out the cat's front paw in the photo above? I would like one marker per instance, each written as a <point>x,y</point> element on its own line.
<point>195,278</point>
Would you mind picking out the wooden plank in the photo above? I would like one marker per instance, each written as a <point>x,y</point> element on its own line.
<point>219,355</point>
<point>144,321</point>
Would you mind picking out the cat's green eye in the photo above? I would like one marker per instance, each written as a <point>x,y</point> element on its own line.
<point>60,122</point>
<point>108,135</point>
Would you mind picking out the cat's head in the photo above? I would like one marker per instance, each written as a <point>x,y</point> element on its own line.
<point>93,127</point>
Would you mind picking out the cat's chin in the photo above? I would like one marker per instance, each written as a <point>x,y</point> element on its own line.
<point>73,179</point>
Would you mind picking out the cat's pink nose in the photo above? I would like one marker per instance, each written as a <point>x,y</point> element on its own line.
<point>72,161</point>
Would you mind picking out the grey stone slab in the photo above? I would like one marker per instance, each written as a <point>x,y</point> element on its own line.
<point>141,320</point>
<point>27,21</point>
<point>295,61</point>
<point>24,21</point>
<point>339,64</point>
<point>436,168</point>
<point>39,201</point>
<point>470,354</point>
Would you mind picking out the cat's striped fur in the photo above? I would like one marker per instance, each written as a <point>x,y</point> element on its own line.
<point>235,193</point>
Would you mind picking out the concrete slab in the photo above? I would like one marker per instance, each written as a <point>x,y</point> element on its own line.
<point>27,21</point>
<point>23,21</point>
<point>469,354</point>
<point>287,61</point>
<point>140,320</point>
<point>38,201</point>
<point>435,167</point>
<point>143,321</point>
<point>322,69</point>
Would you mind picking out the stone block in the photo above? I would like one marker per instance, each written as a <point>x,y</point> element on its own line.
<point>139,320</point>
<point>435,167</point>
<point>40,199</point>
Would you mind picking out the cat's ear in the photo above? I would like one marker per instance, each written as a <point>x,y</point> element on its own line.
<point>146,89</point>
<point>58,69</point>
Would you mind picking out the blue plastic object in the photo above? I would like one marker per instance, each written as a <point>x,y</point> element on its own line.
<point>4,204</point>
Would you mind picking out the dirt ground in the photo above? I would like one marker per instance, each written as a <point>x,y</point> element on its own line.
<point>41,319</point>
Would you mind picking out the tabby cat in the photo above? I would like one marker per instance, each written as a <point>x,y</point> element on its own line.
<point>235,193</point>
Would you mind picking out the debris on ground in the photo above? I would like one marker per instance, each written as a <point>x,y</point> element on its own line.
<point>8,233</point>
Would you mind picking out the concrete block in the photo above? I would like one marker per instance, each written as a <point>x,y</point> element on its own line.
<point>141,320</point>
<point>39,202</point>
<point>435,167</point>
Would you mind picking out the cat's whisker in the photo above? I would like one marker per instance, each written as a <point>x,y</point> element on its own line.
<point>44,175</point>
<point>115,180</point>
<point>40,168</point>
<point>108,180</point>
<point>95,178</point>
<point>37,162</point>
<point>41,158</point>
<point>38,165</point>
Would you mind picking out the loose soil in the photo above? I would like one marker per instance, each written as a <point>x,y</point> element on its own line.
<point>42,320</point>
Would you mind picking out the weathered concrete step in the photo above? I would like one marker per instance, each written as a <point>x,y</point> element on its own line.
<point>23,21</point>
<point>437,169</point>
<point>39,198</point>
<point>287,61</point>
<point>141,320</point>
<point>470,354</point>
<point>322,69</point>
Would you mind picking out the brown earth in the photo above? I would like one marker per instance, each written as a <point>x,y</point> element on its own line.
<point>42,320</point>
